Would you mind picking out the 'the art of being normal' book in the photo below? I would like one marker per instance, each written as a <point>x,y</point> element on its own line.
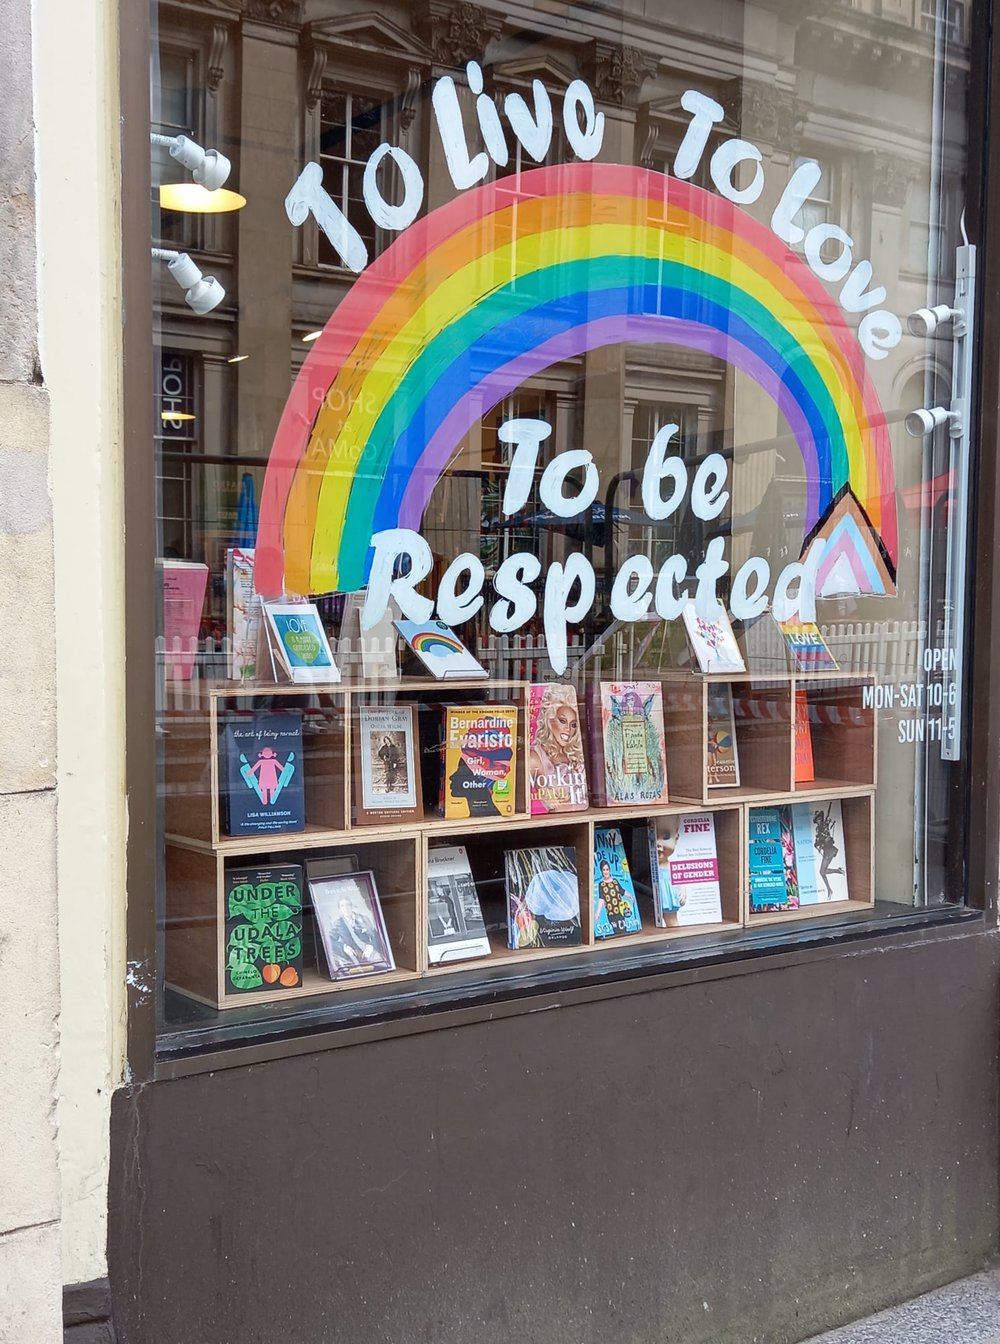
<point>261,776</point>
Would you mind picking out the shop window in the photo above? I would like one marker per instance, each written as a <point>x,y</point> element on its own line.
<point>578,605</point>
<point>943,18</point>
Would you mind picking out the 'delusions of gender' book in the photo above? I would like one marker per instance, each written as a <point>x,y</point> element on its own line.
<point>480,761</point>
<point>263,928</point>
<point>260,777</point>
<point>543,897</point>
<point>616,909</point>
<point>625,721</point>
<point>684,863</point>
<point>456,930</point>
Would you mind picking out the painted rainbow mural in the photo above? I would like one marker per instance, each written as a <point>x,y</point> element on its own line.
<point>510,279</point>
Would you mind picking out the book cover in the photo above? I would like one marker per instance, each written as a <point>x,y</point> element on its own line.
<point>768,886</point>
<point>627,743</point>
<point>456,929</point>
<point>299,639</point>
<point>722,754</point>
<point>616,909</point>
<point>684,862</point>
<point>543,897</point>
<point>386,779</point>
<point>806,647</point>
<point>805,770</point>
<point>183,588</point>
<point>263,928</point>
<point>350,927</point>
<point>557,775</point>
<point>712,640</point>
<point>261,773</point>
<point>480,760</point>
<point>439,649</point>
<point>242,614</point>
<point>820,857</point>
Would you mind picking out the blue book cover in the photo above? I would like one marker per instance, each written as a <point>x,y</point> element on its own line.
<point>616,909</point>
<point>261,773</point>
<point>768,888</point>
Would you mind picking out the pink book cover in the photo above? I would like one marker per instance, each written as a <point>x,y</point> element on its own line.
<point>184,585</point>
<point>630,757</point>
<point>557,773</point>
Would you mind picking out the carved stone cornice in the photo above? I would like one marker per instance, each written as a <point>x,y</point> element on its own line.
<point>286,13</point>
<point>764,113</point>
<point>455,33</point>
<point>216,70</point>
<point>617,73</point>
<point>892,177</point>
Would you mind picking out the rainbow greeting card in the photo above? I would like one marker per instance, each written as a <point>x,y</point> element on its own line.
<point>440,650</point>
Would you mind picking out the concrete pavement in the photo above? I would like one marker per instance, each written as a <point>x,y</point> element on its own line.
<point>966,1312</point>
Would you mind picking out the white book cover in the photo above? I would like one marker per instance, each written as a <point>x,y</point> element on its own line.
<point>300,641</point>
<point>456,930</point>
<point>388,758</point>
<point>712,641</point>
<point>439,649</point>
<point>820,857</point>
<point>242,614</point>
<point>686,867</point>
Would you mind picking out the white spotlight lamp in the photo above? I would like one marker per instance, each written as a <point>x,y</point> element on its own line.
<point>203,292</point>
<point>207,166</point>
<point>920,423</point>
<point>925,321</point>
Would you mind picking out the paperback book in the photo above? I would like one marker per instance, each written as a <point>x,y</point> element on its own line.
<point>771,860</point>
<point>263,928</point>
<point>543,897</point>
<point>440,650</point>
<point>627,743</point>
<point>299,641</point>
<point>261,773</point>
<point>723,763</point>
<point>242,614</point>
<point>820,857</point>
<point>807,649</point>
<point>386,779</point>
<point>350,927</point>
<point>557,775</point>
<point>805,770</point>
<point>480,761</point>
<point>183,585</point>
<point>712,640</point>
<point>684,863</point>
<point>456,929</point>
<point>616,909</point>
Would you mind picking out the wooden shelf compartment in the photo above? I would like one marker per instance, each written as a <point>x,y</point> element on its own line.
<point>842,725</point>
<point>195,924</point>
<point>858,812</point>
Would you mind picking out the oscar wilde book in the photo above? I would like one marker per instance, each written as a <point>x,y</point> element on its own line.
<point>263,928</point>
<point>386,780</point>
<point>543,898</point>
<point>684,863</point>
<point>557,775</point>
<point>627,743</point>
<point>805,771</point>
<point>723,765</point>
<point>807,649</point>
<point>242,614</point>
<point>480,761</point>
<point>768,885</point>
<point>456,930</point>
<point>820,856</point>
<point>616,909</point>
<point>260,776</point>
<point>712,640</point>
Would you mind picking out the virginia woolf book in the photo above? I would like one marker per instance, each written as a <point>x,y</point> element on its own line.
<point>627,743</point>
<point>263,928</point>
<point>456,930</point>
<point>616,909</point>
<point>684,863</point>
<point>480,761</point>
<point>723,764</point>
<point>543,897</point>
<point>386,780</point>
<point>261,775</point>
<point>557,775</point>
<point>712,640</point>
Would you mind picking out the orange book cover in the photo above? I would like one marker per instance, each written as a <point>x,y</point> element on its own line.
<point>805,771</point>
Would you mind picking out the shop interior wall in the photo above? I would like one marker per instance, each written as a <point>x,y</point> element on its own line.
<point>754,1156</point>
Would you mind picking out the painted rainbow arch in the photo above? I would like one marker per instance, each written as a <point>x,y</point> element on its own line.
<point>512,278</point>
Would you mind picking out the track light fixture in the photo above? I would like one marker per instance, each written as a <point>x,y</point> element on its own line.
<point>203,292</point>
<point>207,166</point>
